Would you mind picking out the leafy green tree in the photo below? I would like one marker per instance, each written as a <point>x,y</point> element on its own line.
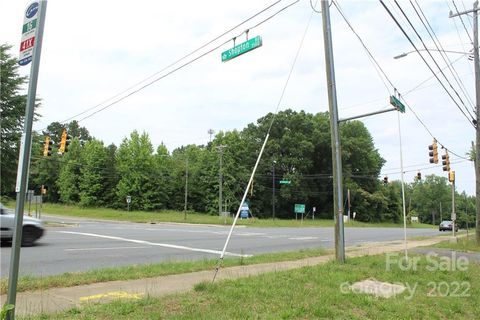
<point>93,176</point>
<point>427,196</point>
<point>69,176</point>
<point>44,170</point>
<point>12,107</point>
<point>111,177</point>
<point>138,177</point>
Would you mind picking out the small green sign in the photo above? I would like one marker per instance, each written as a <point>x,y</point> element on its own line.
<point>285,181</point>
<point>242,48</point>
<point>397,104</point>
<point>299,208</point>
<point>29,26</point>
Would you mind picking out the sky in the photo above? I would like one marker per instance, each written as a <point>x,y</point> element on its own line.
<point>94,51</point>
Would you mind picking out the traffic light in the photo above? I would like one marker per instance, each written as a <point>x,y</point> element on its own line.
<point>446,161</point>
<point>385,180</point>
<point>64,142</point>
<point>433,152</point>
<point>43,190</point>
<point>419,176</point>
<point>47,147</point>
<point>451,176</point>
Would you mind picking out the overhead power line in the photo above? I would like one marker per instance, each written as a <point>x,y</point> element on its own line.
<point>461,19</point>
<point>436,64</point>
<point>176,62</point>
<point>423,58</point>
<point>441,50</point>
<point>388,79</point>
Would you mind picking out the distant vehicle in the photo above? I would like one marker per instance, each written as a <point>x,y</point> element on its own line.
<point>447,225</point>
<point>31,232</point>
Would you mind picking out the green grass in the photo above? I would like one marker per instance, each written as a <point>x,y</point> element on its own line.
<point>310,293</point>
<point>71,279</point>
<point>465,244</point>
<point>198,218</point>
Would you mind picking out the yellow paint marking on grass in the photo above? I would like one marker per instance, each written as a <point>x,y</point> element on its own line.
<point>112,294</point>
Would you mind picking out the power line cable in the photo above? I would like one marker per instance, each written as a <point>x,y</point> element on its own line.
<point>182,66</point>
<point>461,19</point>
<point>178,60</point>
<point>430,68</point>
<point>435,62</point>
<point>442,52</point>
<point>385,75</point>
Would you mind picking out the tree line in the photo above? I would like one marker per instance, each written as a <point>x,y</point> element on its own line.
<point>296,168</point>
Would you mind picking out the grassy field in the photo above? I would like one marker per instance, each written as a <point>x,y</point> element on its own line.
<point>319,292</point>
<point>150,270</point>
<point>197,218</point>
<point>466,244</point>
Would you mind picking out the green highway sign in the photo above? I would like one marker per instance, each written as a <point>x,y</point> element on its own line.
<point>285,181</point>
<point>397,104</point>
<point>299,208</point>
<point>242,48</point>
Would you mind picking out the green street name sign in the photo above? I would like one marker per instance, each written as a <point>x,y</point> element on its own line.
<point>397,104</point>
<point>242,48</point>
<point>285,181</point>
<point>299,208</point>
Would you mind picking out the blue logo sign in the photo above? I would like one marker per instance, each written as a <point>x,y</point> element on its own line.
<point>32,10</point>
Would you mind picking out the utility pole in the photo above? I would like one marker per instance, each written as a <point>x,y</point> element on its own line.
<point>25,151</point>
<point>273,190</point>
<point>454,216</point>
<point>476,62</point>
<point>186,189</point>
<point>441,213</point>
<point>335,137</point>
<point>220,180</point>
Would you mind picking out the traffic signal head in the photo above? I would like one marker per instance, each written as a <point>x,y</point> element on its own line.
<point>451,176</point>
<point>64,142</point>
<point>385,180</point>
<point>419,176</point>
<point>446,161</point>
<point>43,190</point>
<point>47,147</point>
<point>433,152</point>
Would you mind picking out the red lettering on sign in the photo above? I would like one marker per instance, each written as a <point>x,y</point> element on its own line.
<point>27,44</point>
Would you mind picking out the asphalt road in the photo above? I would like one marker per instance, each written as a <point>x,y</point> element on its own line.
<point>86,245</point>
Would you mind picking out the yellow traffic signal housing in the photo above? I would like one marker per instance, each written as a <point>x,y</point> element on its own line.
<point>47,147</point>
<point>64,142</point>
<point>451,176</point>
<point>433,152</point>
<point>446,161</point>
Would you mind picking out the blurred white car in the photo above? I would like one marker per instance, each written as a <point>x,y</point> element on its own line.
<point>31,232</point>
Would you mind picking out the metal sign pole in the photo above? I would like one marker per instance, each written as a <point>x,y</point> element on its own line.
<point>24,158</point>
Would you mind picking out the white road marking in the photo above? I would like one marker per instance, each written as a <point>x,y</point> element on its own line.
<point>165,245</point>
<point>105,248</point>
<point>303,238</point>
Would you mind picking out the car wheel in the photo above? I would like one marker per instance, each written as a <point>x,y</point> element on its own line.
<point>29,235</point>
